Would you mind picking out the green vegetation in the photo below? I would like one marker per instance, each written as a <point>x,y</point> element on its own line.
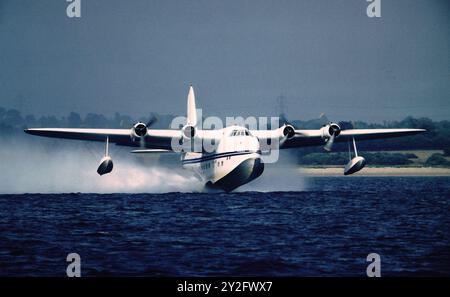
<point>447,152</point>
<point>437,137</point>
<point>437,160</point>
<point>323,159</point>
<point>388,158</point>
<point>342,158</point>
<point>376,159</point>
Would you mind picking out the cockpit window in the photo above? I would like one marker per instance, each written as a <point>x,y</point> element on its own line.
<point>240,133</point>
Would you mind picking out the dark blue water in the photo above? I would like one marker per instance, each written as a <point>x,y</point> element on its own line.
<point>329,229</point>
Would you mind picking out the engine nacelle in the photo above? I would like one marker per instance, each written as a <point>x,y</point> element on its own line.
<point>139,130</point>
<point>354,165</point>
<point>188,132</point>
<point>330,130</point>
<point>288,131</point>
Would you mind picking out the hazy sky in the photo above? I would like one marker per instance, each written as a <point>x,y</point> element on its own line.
<point>136,57</point>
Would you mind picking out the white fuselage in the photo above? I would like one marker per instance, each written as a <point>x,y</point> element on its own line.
<point>234,161</point>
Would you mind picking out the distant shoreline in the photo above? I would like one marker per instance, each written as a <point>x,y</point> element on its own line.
<point>378,171</point>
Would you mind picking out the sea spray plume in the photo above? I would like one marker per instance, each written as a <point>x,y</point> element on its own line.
<point>285,175</point>
<point>30,167</point>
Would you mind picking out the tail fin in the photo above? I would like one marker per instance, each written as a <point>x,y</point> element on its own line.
<point>191,111</point>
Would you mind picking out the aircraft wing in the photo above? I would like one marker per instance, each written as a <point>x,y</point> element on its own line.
<point>155,139</point>
<point>314,137</point>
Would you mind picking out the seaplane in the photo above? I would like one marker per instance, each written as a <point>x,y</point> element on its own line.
<point>235,154</point>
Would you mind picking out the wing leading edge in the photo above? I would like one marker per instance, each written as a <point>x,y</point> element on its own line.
<point>162,139</point>
<point>314,137</point>
<point>156,139</point>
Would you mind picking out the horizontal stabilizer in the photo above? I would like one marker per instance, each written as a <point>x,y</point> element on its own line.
<point>151,151</point>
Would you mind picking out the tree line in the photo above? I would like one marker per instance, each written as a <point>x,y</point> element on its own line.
<point>437,136</point>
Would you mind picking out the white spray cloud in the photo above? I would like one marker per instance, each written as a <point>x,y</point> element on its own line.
<point>31,167</point>
<point>38,166</point>
<point>281,176</point>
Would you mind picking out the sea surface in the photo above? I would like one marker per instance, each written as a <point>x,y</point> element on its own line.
<point>326,230</point>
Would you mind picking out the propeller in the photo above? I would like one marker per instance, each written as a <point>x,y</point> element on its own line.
<point>329,145</point>
<point>333,130</point>
<point>346,125</point>
<point>323,119</point>
<point>288,128</point>
<point>153,119</point>
<point>283,120</point>
<point>141,130</point>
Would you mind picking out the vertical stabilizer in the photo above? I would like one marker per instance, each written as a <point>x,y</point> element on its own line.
<point>191,111</point>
